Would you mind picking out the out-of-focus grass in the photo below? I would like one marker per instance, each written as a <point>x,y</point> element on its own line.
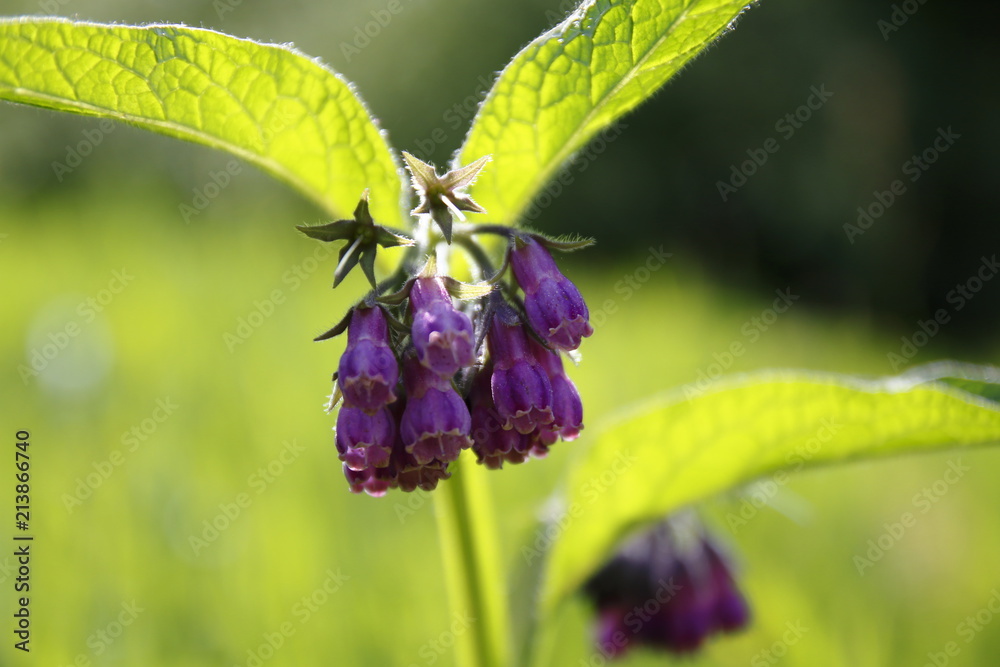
<point>163,338</point>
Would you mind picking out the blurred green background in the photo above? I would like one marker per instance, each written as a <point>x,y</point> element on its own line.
<point>158,339</point>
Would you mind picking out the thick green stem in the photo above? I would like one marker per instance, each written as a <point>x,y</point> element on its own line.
<point>472,566</point>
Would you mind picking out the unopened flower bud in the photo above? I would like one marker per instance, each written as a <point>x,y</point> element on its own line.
<point>368,371</point>
<point>567,407</point>
<point>555,308</point>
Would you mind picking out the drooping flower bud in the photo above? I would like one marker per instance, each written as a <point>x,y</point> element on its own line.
<point>364,440</point>
<point>368,371</point>
<point>556,310</point>
<point>521,389</point>
<point>436,422</point>
<point>665,589</point>
<point>567,407</point>
<point>442,335</point>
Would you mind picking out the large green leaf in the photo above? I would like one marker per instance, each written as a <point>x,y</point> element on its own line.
<point>268,104</point>
<point>575,80</point>
<point>673,451</point>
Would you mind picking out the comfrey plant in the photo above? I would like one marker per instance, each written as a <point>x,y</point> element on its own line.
<point>461,344</point>
<point>422,380</point>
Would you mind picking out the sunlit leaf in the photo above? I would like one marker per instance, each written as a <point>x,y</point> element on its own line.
<point>673,451</point>
<point>267,104</point>
<point>575,80</point>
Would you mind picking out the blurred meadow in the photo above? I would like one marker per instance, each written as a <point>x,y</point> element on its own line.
<point>176,386</point>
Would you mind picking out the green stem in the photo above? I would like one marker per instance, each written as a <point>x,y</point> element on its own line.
<point>471,563</point>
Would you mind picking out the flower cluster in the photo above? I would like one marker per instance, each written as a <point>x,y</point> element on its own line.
<point>669,588</point>
<point>439,366</point>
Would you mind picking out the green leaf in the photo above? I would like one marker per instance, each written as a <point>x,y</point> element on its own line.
<point>575,80</point>
<point>267,104</point>
<point>673,452</point>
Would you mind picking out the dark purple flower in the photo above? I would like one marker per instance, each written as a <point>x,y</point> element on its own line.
<point>521,389</point>
<point>442,335</point>
<point>612,632</point>
<point>730,609</point>
<point>555,308</point>
<point>368,371</point>
<point>567,408</point>
<point>365,440</point>
<point>665,592</point>
<point>682,624</point>
<point>436,421</point>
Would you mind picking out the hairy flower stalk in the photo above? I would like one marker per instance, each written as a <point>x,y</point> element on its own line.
<point>481,363</point>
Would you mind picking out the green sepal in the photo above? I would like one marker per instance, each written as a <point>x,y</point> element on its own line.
<point>368,265</point>
<point>565,243</point>
<point>443,197</point>
<point>337,329</point>
<point>348,259</point>
<point>466,291</point>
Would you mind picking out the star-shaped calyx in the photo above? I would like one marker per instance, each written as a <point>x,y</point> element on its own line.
<point>363,237</point>
<point>442,197</point>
